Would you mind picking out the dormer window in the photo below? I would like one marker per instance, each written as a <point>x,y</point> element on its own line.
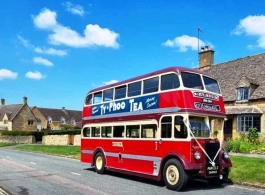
<point>62,120</point>
<point>242,93</point>
<point>49,120</point>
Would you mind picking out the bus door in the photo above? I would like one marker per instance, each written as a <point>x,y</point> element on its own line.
<point>114,158</point>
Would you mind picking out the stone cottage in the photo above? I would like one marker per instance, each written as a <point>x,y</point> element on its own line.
<point>242,83</point>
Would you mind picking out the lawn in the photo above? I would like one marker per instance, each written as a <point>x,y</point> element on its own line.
<point>67,151</point>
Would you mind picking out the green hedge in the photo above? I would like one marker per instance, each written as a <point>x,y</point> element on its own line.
<point>38,134</point>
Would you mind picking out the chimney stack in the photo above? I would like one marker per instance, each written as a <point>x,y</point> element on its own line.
<point>2,102</point>
<point>25,100</point>
<point>63,108</point>
<point>206,58</point>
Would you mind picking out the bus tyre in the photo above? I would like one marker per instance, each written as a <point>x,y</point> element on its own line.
<point>175,177</point>
<point>217,180</point>
<point>99,163</point>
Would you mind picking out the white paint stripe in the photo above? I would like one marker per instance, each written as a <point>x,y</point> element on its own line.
<point>2,192</point>
<point>33,163</point>
<point>75,173</point>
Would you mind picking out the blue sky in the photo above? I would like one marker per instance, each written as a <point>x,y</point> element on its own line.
<point>54,52</point>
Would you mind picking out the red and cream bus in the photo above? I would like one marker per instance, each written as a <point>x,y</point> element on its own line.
<point>159,126</point>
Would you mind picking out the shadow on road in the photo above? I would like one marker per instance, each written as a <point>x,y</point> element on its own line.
<point>193,184</point>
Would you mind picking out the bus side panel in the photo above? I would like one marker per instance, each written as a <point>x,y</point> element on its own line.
<point>145,157</point>
<point>89,146</point>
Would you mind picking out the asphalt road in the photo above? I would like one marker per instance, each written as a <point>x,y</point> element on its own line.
<point>25,173</point>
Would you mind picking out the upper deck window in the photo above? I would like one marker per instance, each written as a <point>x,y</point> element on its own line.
<point>108,95</point>
<point>89,99</point>
<point>211,85</point>
<point>134,89</point>
<point>120,92</point>
<point>151,85</point>
<point>97,97</point>
<point>169,81</point>
<point>191,80</point>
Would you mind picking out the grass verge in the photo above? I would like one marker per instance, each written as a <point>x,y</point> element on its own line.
<point>248,170</point>
<point>66,151</point>
<point>6,144</point>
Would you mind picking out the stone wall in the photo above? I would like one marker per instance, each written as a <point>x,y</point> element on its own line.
<point>17,139</point>
<point>77,140</point>
<point>55,140</point>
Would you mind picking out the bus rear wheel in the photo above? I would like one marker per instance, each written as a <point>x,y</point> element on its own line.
<point>175,177</point>
<point>100,163</point>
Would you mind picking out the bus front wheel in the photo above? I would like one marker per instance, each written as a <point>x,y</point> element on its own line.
<point>175,177</point>
<point>99,163</point>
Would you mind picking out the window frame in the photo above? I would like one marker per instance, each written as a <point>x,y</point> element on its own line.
<point>242,93</point>
<point>200,87</point>
<point>245,119</point>
<point>133,93</point>
<point>173,82</point>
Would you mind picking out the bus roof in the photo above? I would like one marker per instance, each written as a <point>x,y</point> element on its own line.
<point>161,71</point>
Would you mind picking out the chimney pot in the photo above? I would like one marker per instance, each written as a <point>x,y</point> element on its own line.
<point>63,108</point>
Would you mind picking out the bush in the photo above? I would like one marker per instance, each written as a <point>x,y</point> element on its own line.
<point>63,132</point>
<point>236,145</point>
<point>244,147</point>
<point>228,145</point>
<point>253,136</point>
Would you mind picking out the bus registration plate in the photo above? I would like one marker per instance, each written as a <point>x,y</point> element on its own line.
<point>212,170</point>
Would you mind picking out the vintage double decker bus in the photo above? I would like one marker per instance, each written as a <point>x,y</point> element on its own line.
<point>159,126</point>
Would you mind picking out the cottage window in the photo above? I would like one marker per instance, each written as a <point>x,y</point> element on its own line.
<point>244,122</point>
<point>30,122</point>
<point>49,120</point>
<point>62,120</point>
<point>73,122</point>
<point>5,121</point>
<point>242,93</point>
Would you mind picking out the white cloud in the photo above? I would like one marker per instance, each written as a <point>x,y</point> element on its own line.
<point>7,74</point>
<point>46,19</point>
<point>74,9</point>
<point>252,26</point>
<point>184,42</point>
<point>24,41</point>
<point>34,75</point>
<point>40,60</point>
<point>110,82</point>
<point>51,51</point>
<point>94,35</point>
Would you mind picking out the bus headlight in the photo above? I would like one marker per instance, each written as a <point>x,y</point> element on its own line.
<point>226,155</point>
<point>197,155</point>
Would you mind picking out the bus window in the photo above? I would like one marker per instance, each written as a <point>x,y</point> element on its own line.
<point>106,131</point>
<point>180,129</point>
<point>169,81</point>
<point>191,80</point>
<point>95,131</point>
<point>120,92</point>
<point>166,127</point>
<point>199,126</point>
<point>97,97</point>
<point>132,131</point>
<point>118,131</point>
<point>86,132</point>
<point>151,85</point>
<point>149,131</point>
<point>89,99</point>
<point>211,85</point>
<point>108,95</point>
<point>134,88</point>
